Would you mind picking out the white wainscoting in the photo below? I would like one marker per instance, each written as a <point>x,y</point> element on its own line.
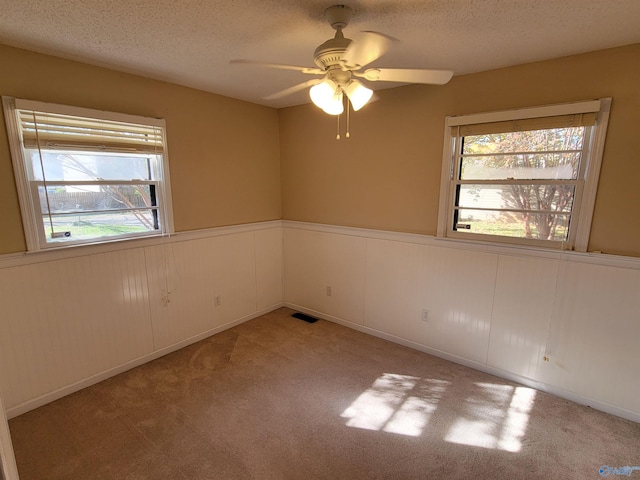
<point>498,309</point>
<point>74,317</point>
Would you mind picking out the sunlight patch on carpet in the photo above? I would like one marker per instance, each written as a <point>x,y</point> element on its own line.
<point>494,416</point>
<point>400,404</point>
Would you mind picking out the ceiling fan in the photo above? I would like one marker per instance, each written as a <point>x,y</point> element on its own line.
<point>341,60</point>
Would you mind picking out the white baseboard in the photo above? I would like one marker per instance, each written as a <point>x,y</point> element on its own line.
<point>87,382</point>
<point>528,382</point>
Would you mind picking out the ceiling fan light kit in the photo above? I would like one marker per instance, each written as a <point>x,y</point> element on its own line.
<point>341,59</point>
<point>358,94</point>
<point>328,96</point>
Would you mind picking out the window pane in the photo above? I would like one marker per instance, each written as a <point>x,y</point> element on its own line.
<point>87,226</point>
<point>555,139</point>
<point>556,198</point>
<point>522,225</point>
<point>78,166</point>
<point>556,166</point>
<point>98,176</point>
<point>76,198</point>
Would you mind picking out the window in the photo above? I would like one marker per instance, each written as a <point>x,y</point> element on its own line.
<point>523,176</point>
<point>86,176</point>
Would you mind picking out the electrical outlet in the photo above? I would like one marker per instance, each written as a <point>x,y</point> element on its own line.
<point>217,301</point>
<point>425,315</point>
<point>165,298</point>
<point>329,291</point>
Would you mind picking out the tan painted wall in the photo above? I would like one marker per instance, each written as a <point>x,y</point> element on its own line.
<point>223,153</point>
<point>387,175</point>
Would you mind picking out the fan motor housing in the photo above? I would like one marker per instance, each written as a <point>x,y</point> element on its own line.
<point>330,52</point>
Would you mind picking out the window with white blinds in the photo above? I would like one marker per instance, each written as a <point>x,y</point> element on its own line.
<point>524,176</point>
<point>87,176</point>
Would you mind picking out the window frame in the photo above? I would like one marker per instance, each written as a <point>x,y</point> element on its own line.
<point>27,185</point>
<point>586,184</point>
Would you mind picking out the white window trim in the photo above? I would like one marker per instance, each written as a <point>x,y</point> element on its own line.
<point>30,221</point>
<point>596,148</point>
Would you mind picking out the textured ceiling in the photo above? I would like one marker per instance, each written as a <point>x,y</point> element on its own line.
<point>190,42</point>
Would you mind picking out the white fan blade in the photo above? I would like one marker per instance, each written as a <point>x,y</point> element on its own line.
<point>294,89</point>
<point>311,71</point>
<point>367,47</point>
<point>407,75</point>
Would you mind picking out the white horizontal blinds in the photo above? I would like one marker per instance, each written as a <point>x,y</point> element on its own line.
<point>110,207</point>
<point>67,132</point>
<point>525,125</point>
<point>85,175</point>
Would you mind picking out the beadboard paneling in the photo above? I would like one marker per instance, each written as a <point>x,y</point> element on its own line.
<point>313,261</point>
<point>65,321</point>
<point>394,288</point>
<point>234,276</point>
<point>73,320</point>
<point>522,311</point>
<point>499,309</point>
<point>181,290</point>
<point>268,252</point>
<point>593,346</point>
<point>195,273</point>
<point>459,287</point>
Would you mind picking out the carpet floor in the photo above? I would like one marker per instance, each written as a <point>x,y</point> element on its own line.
<point>279,398</point>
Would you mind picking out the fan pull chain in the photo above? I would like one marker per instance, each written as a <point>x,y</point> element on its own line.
<point>44,176</point>
<point>347,134</point>
<point>338,133</point>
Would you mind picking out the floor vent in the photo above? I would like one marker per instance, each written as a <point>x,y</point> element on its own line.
<point>306,318</point>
